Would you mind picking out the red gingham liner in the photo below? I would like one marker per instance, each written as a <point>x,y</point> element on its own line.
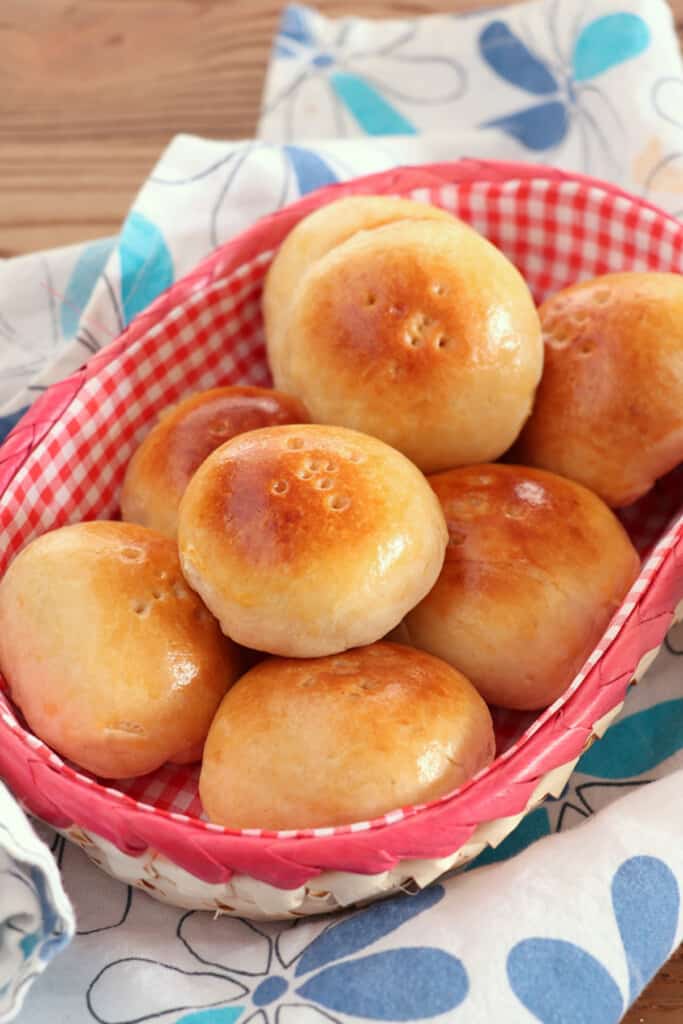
<point>65,461</point>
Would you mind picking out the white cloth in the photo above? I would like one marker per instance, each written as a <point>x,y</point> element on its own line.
<point>36,919</point>
<point>572,928</point>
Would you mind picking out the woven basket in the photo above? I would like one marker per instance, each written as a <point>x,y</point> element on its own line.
<point>65,462</point>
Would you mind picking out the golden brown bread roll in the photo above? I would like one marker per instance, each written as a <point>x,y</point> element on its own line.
<point>162,466</point>
<point>609,409</point>
<point>313,237</point>
<point>112,659</point>
<point>420,333</point>
<point>306,540</point>
<point>535,568</point>
<point>329,741</point>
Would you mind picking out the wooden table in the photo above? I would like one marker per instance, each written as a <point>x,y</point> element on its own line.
<point>92,90</point>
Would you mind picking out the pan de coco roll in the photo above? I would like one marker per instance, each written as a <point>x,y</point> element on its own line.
<point>306,540</point>
<point>609,409</point>
<point>420,333</point>
<point>112,659</point>
<point>535,568</point>
<point>160,469</point>
<point>314,236</point>
<point>329,741</point>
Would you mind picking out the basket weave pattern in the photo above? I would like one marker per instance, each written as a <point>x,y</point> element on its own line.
<point>65,460</point>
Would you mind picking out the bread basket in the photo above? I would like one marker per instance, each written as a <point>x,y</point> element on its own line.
<point>65,461</point>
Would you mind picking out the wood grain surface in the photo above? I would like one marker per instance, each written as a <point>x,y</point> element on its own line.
<point>87,104</point>
<point>92,90</point>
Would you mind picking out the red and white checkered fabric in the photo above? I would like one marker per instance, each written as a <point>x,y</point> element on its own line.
<point>65,461</point>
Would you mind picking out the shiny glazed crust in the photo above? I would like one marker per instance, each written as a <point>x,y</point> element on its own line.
<point>535,568</point>
<point>307,540</point>
<point>420,333</point>
<point>185,434</point>
<point>316,235</point>
<point>327,741</point>
<point>112,659</point>
<point>609,409</point>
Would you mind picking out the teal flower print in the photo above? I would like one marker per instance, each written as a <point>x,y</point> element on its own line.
<point>562,82</point>
<point>372,89</point>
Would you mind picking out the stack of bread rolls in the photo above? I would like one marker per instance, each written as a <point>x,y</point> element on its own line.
<point>293,530</point>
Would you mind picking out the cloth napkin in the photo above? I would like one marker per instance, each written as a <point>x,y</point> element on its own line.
<point>572,927</point>
<point>36,919</point>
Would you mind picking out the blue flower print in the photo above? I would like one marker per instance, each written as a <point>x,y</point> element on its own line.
<point>560,83</point>
<point>52,937</point>
<point>628,756</point>
<point>111,999</point>
<point>533,826</point>
<point>225,1015</point>
<point>560,983</point>
<point>264,176</point>
<point>146,264</point>
<point>31,928</point>
<point>80,286</point>
<point>637,744</point>
<point>146,270</point>
<point>360,88</point>
<point>313,979</point>
<point>305,973</point>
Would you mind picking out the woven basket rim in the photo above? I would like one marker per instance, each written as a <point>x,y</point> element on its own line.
<point>371,846</point>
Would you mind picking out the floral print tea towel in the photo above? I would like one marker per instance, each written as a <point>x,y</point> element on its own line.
<point>570,930</point>
<point>588,86</point>
<point>36,919</point>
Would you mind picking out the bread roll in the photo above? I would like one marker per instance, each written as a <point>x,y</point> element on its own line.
<point>609,410</point>
<point>420,333</point>
<point>306,540</point>
<point>329,741</point>
<point>313,237</point>
<point>535,568</point>
<point>112,659</point>
<point>162,466</point>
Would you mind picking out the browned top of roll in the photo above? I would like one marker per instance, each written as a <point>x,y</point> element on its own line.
<point>112,658</point>
<point>421,333</point>
<point>308,539</point>
<point>296,498</point>
<point>316,235</point>
<point>609,408</point>
<point>536,565</point>
<point>525,519</point>
<point>302,496</point>
<point>301,743</point>
<point>185,435</point>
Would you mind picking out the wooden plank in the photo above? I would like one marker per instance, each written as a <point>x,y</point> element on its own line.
<point>59,193</point>
<point>87,104</point>
<point>662,1000</point>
